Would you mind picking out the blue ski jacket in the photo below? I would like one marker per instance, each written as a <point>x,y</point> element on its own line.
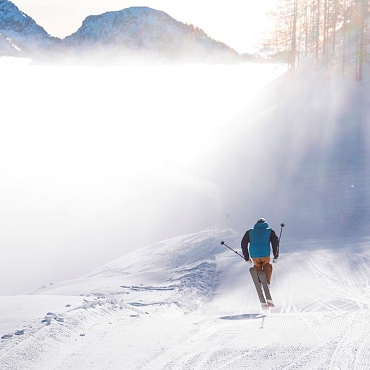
<point>259,239</point>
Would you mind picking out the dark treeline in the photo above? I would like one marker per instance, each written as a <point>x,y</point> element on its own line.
<point>333,32</point>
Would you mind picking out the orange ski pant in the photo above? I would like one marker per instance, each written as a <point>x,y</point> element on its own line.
<point>263,264</point>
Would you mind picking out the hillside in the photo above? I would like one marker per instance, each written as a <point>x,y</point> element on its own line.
<point>189,303</point>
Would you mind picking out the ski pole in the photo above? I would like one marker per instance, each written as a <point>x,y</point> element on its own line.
<point>223,243</point>
<point>281,230</point>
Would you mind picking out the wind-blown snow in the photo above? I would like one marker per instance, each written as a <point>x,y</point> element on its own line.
<point>189,303</point>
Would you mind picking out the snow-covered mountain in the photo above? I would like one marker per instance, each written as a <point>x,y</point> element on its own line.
<point>20,32</point>
<point>141,32</point>
<point>148,32</point>
<point>189,303</point>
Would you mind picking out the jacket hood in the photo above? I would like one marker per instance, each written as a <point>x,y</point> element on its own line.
<point>261,225</point>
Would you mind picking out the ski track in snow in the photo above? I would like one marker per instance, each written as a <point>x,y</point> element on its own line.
<point>191,305</point>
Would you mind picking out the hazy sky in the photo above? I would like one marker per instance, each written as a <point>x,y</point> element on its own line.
<point>237,23</point>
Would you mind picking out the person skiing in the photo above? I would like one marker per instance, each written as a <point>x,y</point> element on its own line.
<point>259,239</point>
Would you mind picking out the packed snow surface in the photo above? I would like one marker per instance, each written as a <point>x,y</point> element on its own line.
<point>189,303</point>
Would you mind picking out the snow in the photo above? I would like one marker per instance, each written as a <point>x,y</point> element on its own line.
<point>184,302</point>
<point>189,303</point>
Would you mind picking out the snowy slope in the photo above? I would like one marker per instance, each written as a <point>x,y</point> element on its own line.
<point>188,303</point>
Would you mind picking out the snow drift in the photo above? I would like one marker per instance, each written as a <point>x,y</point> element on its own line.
<point>189,303</point>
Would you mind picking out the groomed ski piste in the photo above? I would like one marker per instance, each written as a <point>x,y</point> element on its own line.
<point>189,303</point>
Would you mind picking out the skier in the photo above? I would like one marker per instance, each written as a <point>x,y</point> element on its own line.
<point>259,239</point>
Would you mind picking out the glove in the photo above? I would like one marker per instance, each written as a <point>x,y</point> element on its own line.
<point>248,260</point>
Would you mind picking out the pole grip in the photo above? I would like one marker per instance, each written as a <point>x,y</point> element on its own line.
<point>281,230</point>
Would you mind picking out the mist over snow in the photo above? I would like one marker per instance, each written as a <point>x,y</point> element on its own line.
<point>117,186</point>
<point>99,161</point>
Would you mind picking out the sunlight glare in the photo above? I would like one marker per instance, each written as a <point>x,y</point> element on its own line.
<point>91,122</point>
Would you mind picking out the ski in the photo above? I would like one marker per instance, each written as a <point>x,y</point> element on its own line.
<point>263,280</point>
<point>257,283</point>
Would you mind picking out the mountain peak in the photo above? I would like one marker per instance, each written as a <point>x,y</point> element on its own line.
<point>149,32</point>
<point>21,29</point>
